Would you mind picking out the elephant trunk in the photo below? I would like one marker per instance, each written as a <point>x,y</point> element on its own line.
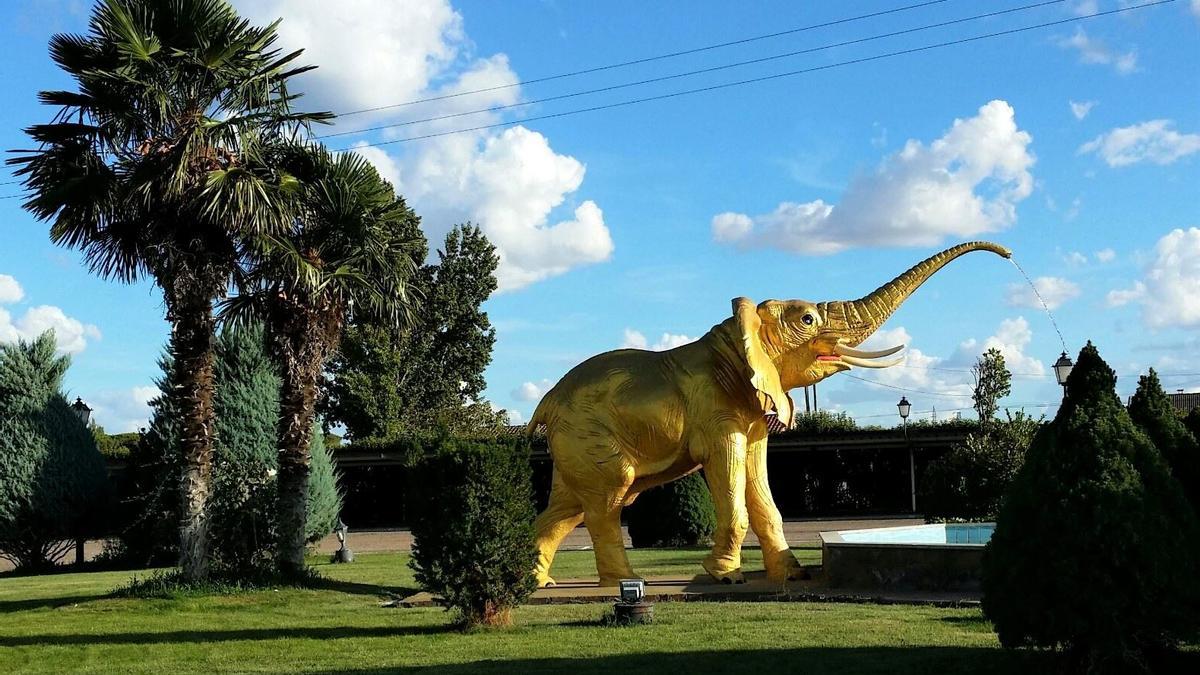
<point>862,317</point>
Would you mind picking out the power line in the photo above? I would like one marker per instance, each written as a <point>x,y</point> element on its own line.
<point>648,59</point>
<point>906,389</point>
<point>713,69</point>
<point>765,78</point>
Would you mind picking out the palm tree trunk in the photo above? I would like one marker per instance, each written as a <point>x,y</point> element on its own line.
<point>302,347</point>
<point>192,331</point>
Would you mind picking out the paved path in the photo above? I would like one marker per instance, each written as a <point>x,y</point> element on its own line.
<point>798,533</point>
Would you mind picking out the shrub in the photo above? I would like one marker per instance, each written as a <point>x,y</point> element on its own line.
<point>472,506</point>
<point>53,481</point>
<point>679,513</point>
<point>241,506</point>
<point>968,482</point>
<point>1089,552</point>
<point>1151,409</point>
<point>1192,422</point>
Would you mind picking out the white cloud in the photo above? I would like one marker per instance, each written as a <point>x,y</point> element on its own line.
<point>1154,141</point>
<point>1196,7</point>
<point>1081,109</point>
<point>916,197</point>
<point>511,183</point>
<point>532,391</point>
<point>1169,293</point>
<point>10,290</point>
<point>123,411</point>
<point>951,375</point>
<point>1085,7</point>
<point>1075,259</point>
<point>636,340</point>
<point>1106,255</point>
<point>1053,290</point>
<point>72,334</point>
<point>1092,50</point>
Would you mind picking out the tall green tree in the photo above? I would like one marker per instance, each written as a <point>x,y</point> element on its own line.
<point>1090,551</point>
<point>344,254</point>
<point>1151,409</point>
<point>993,381</point>
<point>53,481</point>
<point>145,168</point>
<point>242,508</point>
<point>384,382</point>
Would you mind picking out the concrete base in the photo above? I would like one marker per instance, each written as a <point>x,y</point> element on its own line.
<point>756,589</point>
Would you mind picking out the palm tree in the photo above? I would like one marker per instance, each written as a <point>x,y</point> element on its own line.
<point>145,168</point>
<point>348,251</point>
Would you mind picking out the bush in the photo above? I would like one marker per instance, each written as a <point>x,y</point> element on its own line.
<point>1092,551</point>
<point>1151,409</point>
<point>472,506</point>
<point>969,481</point>
<point>53,481</point>
<point>679,513</point>
<point>1192,422</point>
<point>241,506</point>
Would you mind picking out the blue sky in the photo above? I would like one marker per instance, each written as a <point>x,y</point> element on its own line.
<point>1078,146</point>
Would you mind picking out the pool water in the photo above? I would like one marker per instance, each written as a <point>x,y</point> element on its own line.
<point>944,533</point>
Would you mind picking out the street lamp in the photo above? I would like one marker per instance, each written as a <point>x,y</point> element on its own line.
<point>904,407</point>
<point>1062,370</point>
<point>343,554</point>
<point>81,410</point>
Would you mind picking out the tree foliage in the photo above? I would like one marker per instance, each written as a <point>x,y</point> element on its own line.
<point>53,481</point>
<point>1089,551</point>
<point>149,167</point>
<point>679,513</point>
<point>969,481</point>
<point>993,381</point>
<point>246,461</point>
<point>473,540</point>
<point>386,382</point>
<point>1151,409</point>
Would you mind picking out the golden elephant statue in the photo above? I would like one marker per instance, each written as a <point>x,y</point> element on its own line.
<point>628,420</point>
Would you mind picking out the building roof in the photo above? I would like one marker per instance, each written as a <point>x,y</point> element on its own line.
<point>1185,402</point>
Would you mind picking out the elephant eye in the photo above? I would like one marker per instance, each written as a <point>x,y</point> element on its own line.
<point>807,319</point>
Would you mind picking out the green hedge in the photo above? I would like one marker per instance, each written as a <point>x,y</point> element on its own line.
<point>679,513</point>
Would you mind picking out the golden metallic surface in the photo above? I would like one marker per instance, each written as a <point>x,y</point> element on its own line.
<point>628,420</point>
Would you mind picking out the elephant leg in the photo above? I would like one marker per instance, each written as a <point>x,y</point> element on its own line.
<point>765,519</point>
<point>562,514</point>
<point>725,470</point>
<point>603,520</point>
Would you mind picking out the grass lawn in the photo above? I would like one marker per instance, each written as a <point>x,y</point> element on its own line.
<point>65,623</point>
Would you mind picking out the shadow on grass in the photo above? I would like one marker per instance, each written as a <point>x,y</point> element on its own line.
<point>811,661</point>
<point>209,636</point>
<point>356,588</point>
<point>7,606</point>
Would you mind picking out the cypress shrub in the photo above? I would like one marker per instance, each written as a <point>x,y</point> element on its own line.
<point>679,513</point>
<point>473,546</point>
<point>1151,410</point>
<point>53,480</point>
<point>1092,551</point>
<point>241,507</point>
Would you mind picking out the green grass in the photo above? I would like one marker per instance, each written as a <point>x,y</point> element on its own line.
<point>68,623</point>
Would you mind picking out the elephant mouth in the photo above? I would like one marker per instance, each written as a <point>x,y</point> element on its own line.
<point>863,358</point>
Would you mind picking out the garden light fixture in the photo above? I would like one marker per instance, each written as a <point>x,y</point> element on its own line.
<point>904,407</point>
<point>81,410</point>
<point>343,554</point>
<point>1062,370</point>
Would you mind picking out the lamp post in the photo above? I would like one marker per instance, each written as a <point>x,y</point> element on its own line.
<point>343,554</point>
<point>84,413</point>
<point>1062,369</point>
<point>904,408</point>
<point>81,410</point>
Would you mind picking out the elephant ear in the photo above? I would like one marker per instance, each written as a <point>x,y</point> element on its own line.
<point>764,377</point>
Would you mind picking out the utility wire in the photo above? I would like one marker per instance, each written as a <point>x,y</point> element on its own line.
<point>776,76</point>
<point>648,59</point>
<point>713,69</point>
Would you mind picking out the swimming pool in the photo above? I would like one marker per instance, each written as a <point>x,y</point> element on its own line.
<point>930,557</point>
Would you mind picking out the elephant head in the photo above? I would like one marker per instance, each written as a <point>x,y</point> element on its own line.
<point>793,343</point>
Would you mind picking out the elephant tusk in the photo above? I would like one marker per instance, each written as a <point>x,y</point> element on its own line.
<point>844,350</point>
<point>862,363</point>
